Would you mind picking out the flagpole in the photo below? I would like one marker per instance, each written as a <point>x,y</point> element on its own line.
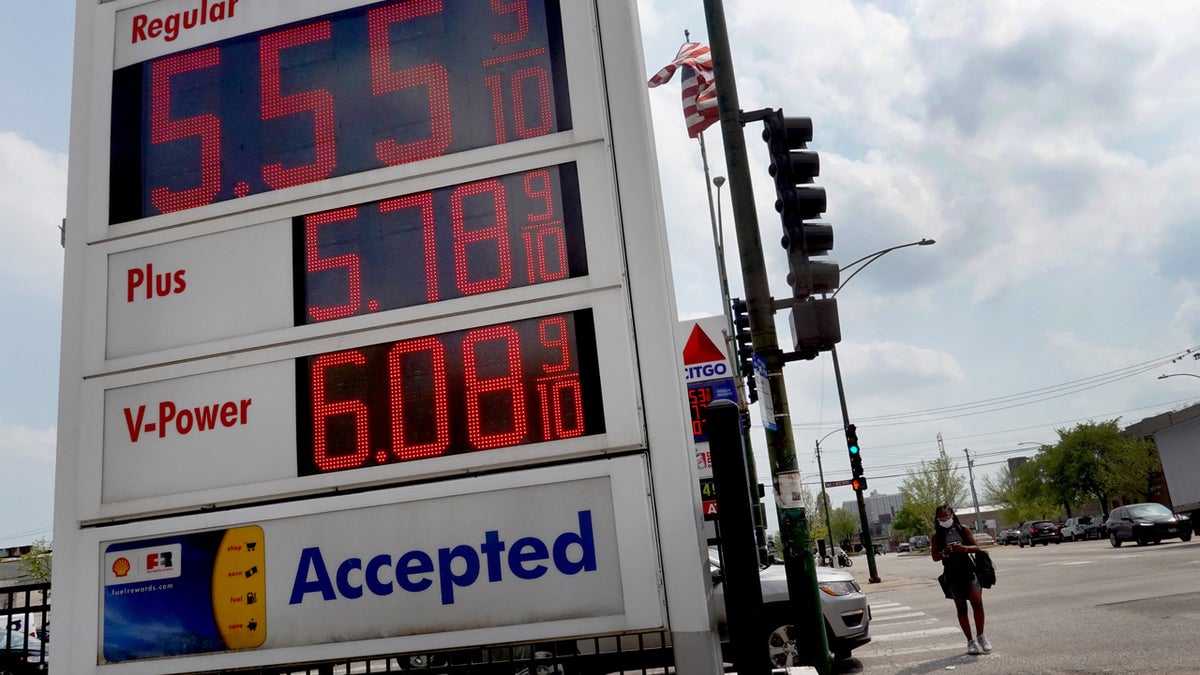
<point>719,248</point>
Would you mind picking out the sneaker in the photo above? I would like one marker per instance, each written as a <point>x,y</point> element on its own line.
<point>972,648</point>
<point>984,644</point>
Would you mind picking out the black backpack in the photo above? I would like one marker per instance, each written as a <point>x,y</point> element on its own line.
<point>985,571</point>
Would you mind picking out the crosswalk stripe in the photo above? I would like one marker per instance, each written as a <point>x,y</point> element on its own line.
<point>921,650</point>
<point>903,624</point>
<point>916,634</point>
<point>889,610</point>
<point>893,617</point>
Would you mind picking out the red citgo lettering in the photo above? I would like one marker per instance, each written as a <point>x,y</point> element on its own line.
<point>156,26</point>
<point>135,425</point>
<point>180,284</point>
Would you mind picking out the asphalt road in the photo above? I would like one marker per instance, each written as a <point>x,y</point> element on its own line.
<point>1076,607</point>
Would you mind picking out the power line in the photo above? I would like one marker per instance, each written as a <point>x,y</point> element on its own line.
<point>1009,401</point>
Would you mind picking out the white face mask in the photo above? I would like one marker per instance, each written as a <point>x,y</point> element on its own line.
<point>946,523</point>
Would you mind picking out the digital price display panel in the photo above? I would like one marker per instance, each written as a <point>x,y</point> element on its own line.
<point>700,394</point>
<point>514,383</point>
<point>361,89</point>
<point>505,232</point>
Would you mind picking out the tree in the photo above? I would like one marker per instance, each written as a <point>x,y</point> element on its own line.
<point>37,561</point>
<point>1094,460</point>
<point>1032,498</point>
<point>844,523</point>
<point>935,483</point>
<point>910,521</point>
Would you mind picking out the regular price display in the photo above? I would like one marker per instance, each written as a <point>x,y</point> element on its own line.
<point>505,232</point>
<point>381,85</point>
<point>514,383</point>
<point>700,394</point>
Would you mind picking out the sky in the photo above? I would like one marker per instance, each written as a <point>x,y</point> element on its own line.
<point>1049,148</point>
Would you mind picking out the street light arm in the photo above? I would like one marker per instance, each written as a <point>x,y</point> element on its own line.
<point>1165,376</point>
<point>872,257</point>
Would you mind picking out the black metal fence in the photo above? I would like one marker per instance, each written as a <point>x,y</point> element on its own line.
<point>637,654</point>
<point>25,633</point>
<point>25,647</point>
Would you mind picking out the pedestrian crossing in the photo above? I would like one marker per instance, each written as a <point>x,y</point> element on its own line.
<point>899,631</point>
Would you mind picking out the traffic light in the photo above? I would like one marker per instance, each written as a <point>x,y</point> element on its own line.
<point>814,321</point>
<point>745,346</point>
<point>793,167</point>
<point>856,468</point>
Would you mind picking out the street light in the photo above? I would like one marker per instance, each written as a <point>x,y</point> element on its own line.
<point>974,497</point>
<point>1165,376</point>
<point>824,494</point>
<point>870,258</point>
<point>868,543</point>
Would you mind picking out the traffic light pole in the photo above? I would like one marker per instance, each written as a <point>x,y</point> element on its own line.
<point>785,472</point>
<point>868,545</point>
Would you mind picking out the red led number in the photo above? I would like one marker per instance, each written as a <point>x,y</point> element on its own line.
<point>315,263</point>
<point>480,246</point>
<point>402,448</point>
<point>497,234</point>
<point>433,76</point>
<point>480,382</point>
<point>164,129</point>
<point>318,102</point>
<point>506,387</point>
<point>324,410</point>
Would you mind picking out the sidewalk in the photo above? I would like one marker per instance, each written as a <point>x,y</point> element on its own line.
<point>887,581</point>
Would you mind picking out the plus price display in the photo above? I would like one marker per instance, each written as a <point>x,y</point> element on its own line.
<point>371,87</point>
<point>489,235</point>
<point>514,383</point>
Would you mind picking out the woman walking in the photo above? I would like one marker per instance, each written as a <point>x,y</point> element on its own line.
<point>952,545</point>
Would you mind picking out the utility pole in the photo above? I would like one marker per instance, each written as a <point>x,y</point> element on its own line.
<point>868,544</point>
<point>971,475</point>
<point>824,497</point>
<point>785,471</point>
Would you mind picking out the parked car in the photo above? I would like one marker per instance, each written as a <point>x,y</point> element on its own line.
<point>919,542</point>
<point>984,539</point>
<point>1008,536</point>
<point>903,547</point>
<point>843,604</point>
<point>1034,532</point>
<point>20,652</point>
<point>1145,524</point>
<point>1081,527</point>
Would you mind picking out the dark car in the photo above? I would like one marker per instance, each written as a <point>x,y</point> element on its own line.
<point>1146,523</point>
<point>1036,532</point>
<point>1008,536</point>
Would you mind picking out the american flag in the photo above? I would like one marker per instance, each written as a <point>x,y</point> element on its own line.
<point>699,88</point>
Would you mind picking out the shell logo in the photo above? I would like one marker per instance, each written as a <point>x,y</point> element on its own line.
<point>121,567</point>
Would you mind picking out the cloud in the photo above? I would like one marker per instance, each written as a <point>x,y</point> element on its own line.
<point>23,443</point>
<point>32,189</point>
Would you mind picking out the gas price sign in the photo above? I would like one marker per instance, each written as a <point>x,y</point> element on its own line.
<point>376,86</point>
<point>508,384</point>
<point>505,232</point>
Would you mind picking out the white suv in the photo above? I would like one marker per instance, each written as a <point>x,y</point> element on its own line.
<point>844,605</point>
<point>1081,527</point>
